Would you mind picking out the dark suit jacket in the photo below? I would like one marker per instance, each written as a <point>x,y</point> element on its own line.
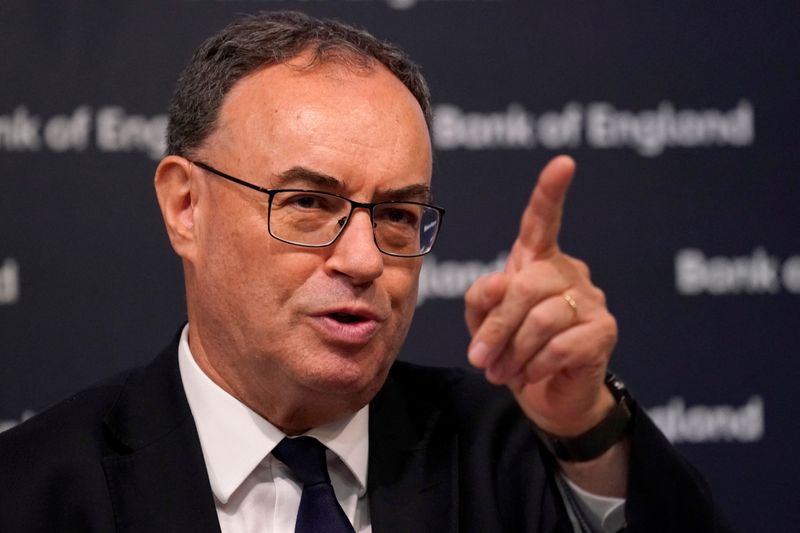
<point>448,452</point>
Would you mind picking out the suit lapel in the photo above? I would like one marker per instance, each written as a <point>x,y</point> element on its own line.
<point>412,474</point>
<point>158,480</point>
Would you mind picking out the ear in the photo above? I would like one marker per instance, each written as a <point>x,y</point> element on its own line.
<point>177,198</point>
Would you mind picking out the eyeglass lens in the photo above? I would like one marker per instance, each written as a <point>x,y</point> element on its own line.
<point>316,219</point>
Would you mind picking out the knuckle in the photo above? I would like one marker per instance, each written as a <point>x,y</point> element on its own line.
<point>612,330</point>
<point>599,295</point>
<point>572,260</point>
<point>472,319</point>
<point>559,349</point>
<point>539,320</point>
<point>606,332</point>
<point>520,352</point>
<point>492,278</point>
<point>527,288</point>
<point>534,369</point>
<point>607,321</point>
<point>582,267</point>
<point>493,330</point>
<point>471,297</point>
<point>546,269</point>
<point>586,270</point>
<point>515,360</point>
<point>524,284</point>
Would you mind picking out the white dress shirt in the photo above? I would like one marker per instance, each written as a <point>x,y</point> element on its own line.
<point>254,492</point>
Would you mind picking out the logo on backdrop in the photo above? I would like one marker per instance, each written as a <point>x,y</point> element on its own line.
<point>598,125</point>
<point>756,273</point>
<point>106,129</point>
<point>705,423</point>
<point>451,279</point>
<point>9,281</point>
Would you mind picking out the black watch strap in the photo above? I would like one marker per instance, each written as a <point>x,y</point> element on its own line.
<point>596,441</point>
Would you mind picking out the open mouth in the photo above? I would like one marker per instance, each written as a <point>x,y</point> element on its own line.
<point>346,318</point>
<point>345,326</point>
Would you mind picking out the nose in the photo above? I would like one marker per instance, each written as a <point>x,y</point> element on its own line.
<point>355,254</point>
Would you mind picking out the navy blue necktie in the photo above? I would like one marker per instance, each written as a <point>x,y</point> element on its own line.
<point>319,511</point>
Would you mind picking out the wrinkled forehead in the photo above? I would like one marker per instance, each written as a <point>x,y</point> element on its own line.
<point>357,126</point>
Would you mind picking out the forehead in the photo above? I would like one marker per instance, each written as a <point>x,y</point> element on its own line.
<point>361,126</point>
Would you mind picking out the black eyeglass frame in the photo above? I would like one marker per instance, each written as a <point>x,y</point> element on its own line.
<point>369,206</point>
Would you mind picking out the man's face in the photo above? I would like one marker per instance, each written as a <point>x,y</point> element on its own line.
<point>277,319</point>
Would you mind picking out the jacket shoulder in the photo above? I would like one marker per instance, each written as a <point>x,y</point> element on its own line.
<point>72,419</point>
<point>52,464</point>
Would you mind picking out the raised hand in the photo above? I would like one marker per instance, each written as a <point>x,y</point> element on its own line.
<point>541,327</point>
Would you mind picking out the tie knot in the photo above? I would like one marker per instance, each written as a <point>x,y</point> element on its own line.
<point>305,456</point>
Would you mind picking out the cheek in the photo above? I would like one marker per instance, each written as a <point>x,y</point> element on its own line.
<point>270,278</point>
<point>401,283</point>
<point>236,263</point>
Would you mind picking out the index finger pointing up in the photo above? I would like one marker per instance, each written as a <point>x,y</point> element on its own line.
<point>541,221</point>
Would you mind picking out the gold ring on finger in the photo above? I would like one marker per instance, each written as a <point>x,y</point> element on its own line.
<point>572,303</point>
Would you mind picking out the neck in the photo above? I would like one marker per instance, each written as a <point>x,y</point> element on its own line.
<point>291,409</point>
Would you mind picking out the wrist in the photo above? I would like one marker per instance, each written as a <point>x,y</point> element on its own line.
<point>574,425</point>
<point>608,425</point>
<point>606,475</point>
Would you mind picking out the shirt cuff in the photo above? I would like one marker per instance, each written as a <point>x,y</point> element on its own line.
<point>603,513</point>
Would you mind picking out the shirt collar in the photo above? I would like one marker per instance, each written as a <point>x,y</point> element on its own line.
<point>235,439</point>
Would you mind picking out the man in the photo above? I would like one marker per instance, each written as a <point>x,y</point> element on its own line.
<point>296,191</point>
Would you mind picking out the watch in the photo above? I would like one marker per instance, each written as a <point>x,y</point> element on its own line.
<point>594,442</point>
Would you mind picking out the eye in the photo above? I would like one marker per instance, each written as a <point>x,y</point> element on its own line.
<point>399,214</point>
<point>306,202</point>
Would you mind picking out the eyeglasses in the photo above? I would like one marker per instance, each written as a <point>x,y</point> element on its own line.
<point>315,219</point>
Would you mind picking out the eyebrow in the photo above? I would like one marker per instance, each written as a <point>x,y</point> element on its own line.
<point>305,176</point>
<point>417,192</point>
<point>308,176</point>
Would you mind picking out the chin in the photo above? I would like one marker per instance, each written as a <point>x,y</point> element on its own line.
<point>348,378</point>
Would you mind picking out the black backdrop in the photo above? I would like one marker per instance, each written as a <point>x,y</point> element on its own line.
<point>682,117</point>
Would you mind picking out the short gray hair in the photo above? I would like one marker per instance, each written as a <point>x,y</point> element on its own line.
<point>269,38</point>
